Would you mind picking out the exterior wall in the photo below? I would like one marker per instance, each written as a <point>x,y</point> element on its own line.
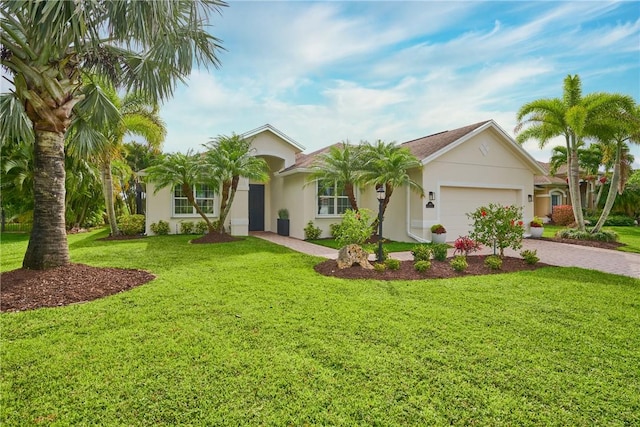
<point>542,201</point>
<point>485,161</point>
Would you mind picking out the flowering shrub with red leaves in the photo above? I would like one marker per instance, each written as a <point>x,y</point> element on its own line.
<point>498,226</point>
<point>563,215</point>
<point>465,245</point>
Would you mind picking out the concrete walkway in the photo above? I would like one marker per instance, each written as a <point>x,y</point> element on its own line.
<point>560,254</point>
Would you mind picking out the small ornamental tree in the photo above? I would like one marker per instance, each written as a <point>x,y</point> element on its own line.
<point>355,227</point>
<point>498,226</point>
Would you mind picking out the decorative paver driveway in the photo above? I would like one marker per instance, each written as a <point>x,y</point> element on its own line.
<point>560,254</point>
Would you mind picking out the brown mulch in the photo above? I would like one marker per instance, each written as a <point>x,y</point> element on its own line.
<point>591,243</point>
<point>438,270</point>
<point>73,283</point>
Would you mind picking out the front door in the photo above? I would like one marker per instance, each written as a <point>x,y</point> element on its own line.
<point>256,207</point>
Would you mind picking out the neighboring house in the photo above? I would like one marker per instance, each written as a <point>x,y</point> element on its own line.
<point>553,190</point>
<point>462,169</point>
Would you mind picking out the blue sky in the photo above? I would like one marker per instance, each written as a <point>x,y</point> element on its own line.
<point>323,72</point>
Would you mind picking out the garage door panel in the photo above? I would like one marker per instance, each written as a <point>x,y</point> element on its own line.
<point>456,202</point>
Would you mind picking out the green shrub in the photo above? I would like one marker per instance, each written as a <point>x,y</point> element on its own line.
<point>530,256</point>
<point>459,263</point>
<point>311,232</point>
<point>422,252</point>
<point>392,264</point>
<point>422,266</point>
<point>355,228</point>
<point>379,266</point>
<point>186,227</point>
<point>283,213</point>
<point>440,251</point>
<point>613,221</point>
<point>438,229</point>
<point>201,227</point>
<point>494,262</point>
<point>372,248</point>
<point>562,215</point>
<point>601,236</point>
<point>334,229</point>
<point>160,228</point>
<point>498,226</point>
<point>131,225</point>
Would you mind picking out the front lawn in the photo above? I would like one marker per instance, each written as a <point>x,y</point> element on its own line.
<point>246,333</point>
<point>390,246</point>
<point>630,236</point>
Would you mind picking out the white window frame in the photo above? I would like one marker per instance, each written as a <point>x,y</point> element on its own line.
<point>560,193</point>
<point>194,214</point>
<point>332,199</point>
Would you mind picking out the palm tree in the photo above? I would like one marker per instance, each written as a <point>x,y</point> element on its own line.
<point>48,46</point>
<point>575,117</point>
<point>228,159</point>
<point>184,171</point>
<point>624,128</point>
<point>340,165</point>
<point>388,165</point>
<point>589,160</point>
<point>137,116</point>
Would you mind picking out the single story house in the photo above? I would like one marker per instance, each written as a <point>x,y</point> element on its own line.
<point>462,169</point>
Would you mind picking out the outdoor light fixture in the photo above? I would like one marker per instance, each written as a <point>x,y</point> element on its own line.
<point>380,196</point>
<point>530,197</point>
<point>432,196</point>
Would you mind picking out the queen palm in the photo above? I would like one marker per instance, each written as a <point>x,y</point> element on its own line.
<point>227,160</point>
<point>341,165</point>
<point>137,116</point>
<point>388,165</point>
<point>574,117</point>
<point>46,48</point>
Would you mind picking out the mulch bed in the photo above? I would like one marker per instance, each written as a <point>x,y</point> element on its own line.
<point>73,283</point>
<point>591,243</point>
<point>438,270</point>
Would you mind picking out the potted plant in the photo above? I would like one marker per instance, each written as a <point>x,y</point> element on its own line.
<point>438,233</point>
<point>283,222</point>
<point>536,226</point>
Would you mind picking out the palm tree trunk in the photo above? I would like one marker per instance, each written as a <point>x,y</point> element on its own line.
<point>574,185</point>
<point>231,194</point>
<point>348,188</point>
<point>613,191</point>
<point>188,191</point>
<point>107,191</point>
<point>48,246</point>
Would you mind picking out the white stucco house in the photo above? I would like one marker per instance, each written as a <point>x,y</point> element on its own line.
<point>462,169</point>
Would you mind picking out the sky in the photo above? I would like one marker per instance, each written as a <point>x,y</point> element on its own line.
<point>330,71</point>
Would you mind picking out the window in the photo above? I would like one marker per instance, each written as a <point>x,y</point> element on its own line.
<point>204,198</point>
<point>332,199</point>
<point>556,199</point>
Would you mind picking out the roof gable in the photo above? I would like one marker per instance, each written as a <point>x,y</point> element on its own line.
<point>298,148</point>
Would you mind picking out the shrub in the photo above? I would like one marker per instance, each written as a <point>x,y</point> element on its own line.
<point>530,256</point>
<point>379,266</point>
<point>494,262</point>
<point>440,251</point>
<point>422,266</point>
<point>372,248</point>
<point>562,215</point>
<point>392,264</point>
<point>601,236</point>
<point>498,226</point>
<point>160,228</point>
<point>334,229</point>
<point>422,253</point>
<point>201,227</point>
<point>131,225</point>
<point>459,263</point>
<point>311,232</point>
<point>186,227</point>
<point>438,229</point>
<point>355,228</point>
<point>283,213</point>
<point>465,245</point>
<point>614,221</point>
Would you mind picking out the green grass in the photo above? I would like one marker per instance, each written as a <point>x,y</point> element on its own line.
<point>630,236</point>
<point>246,333</point>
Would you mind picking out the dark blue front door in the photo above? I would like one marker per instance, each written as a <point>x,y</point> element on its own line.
<point>256,207</point>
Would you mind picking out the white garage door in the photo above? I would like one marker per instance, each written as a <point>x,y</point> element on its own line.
<point>456,202</point>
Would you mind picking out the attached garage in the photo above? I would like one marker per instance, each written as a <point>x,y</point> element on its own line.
<point>457,202</point>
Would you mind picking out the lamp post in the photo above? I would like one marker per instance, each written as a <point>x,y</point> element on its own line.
<point>380,196</point>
